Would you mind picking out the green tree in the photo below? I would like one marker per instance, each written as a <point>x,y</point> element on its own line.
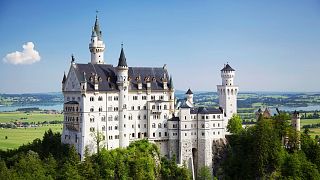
<point>235,124</point>
<point>204,173</point>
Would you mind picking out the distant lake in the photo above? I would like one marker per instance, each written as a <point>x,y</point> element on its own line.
<point>57,107</point>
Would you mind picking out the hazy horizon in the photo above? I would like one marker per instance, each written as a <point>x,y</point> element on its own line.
<point>272,45</point>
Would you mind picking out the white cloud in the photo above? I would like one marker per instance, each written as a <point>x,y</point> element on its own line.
<point>28,56</point>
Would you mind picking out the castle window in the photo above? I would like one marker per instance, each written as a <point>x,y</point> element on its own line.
<point>109,98</point>
<point>202,125</point>
<point>92,120</point>
<point>165,107</point>
<point>91,109</point>
<point>165,134</point>
<point>138,107</point>
<point>91,129</point>
<point>116,109</point>
<point>100,109</point>
<point>159,125</point>
<point>135,97</point>
<point>103,128</point>
<point>110,118</point>
<point>116,127</point>
<point>218,132</point>
<point>110,108</point>
<point>100,98</point>
<point>213,116</point>
<point>144,107</point>
<point>165,125</point>
<point>132,126</point>
<point>218,116</point>
<point>202,133</point>
<point>161,97</point>
<point>153,125</point>
<point>154,134</point>
<point>153,97</point>
<point>103,119</point>
<point>139,135</point>
<point>185,126</point>
<point>139,117</point>
<point>185,134</point>
<point>203,117</point>
<point>138,125</point>
<point>132,107</point>
<point>153,107</point>
<point>110,128</point>
<point>214,125</point>
<point>116,137</point>
<point>159,134</point>
<point>116,118</point>
<point>132,134</point>
<point>218,124</point>
<point>116,98</point>
<point>144,116</point>
<point>214,133</point>
<point>145,125</point>
<point>91,98</point>
<point>144,97</point>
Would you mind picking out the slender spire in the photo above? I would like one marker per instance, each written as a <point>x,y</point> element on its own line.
<point>96,28</point>
<point>171,82</point>
<point>64,77</point>
<point>122,59</point>
<point>72,58</point>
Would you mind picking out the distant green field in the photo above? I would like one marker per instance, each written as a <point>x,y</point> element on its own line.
<point>30,117</point>
<point>309,121</point>
<point>19,136</point>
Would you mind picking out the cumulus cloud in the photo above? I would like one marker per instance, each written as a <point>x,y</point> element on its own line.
<point>28,55</point>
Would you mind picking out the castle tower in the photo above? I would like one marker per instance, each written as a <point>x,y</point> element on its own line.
<point>122,81</point>
<point>96,45</point>
<point>295,121</point>
<point>189,94</point>
<point>228,92</point>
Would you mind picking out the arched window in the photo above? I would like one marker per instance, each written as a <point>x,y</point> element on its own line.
<point>159,125</point>
<point>153,107</point>
<point>165,107</point>
<point>154,125</point>
<point>91,98</point>
<point>91,109</point>
<point>100,98</point>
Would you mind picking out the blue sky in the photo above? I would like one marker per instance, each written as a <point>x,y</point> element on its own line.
<point>273,45</point>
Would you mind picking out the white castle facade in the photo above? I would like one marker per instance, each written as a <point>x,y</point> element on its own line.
<point>125,104</point>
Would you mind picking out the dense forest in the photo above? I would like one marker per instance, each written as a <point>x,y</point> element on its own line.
<point>49,159</point>
<point>271,149</point>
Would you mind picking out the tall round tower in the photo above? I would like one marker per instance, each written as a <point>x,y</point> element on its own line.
<point>122,82</point>
<point>96,45</point>
<point>295,121</point>
<point>189,94</point>
<point>228,92</point>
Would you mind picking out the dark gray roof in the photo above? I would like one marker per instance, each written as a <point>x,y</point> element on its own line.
<point>107,76</point>
<point>184,105</point>
<point>122,59</point>
<point>204,110</point>
<point>227,68</point>
<point>189,91</point>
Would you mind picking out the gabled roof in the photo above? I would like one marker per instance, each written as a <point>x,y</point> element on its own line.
<point>189,91</point>
<point>227,68</point>
<point>184,105</point>
<point>122,59</point>
<point>107,76</point>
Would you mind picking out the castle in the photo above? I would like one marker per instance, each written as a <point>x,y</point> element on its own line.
<point>126,104</point>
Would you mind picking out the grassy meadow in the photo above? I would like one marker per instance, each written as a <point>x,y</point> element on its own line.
<point>19,136</point>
